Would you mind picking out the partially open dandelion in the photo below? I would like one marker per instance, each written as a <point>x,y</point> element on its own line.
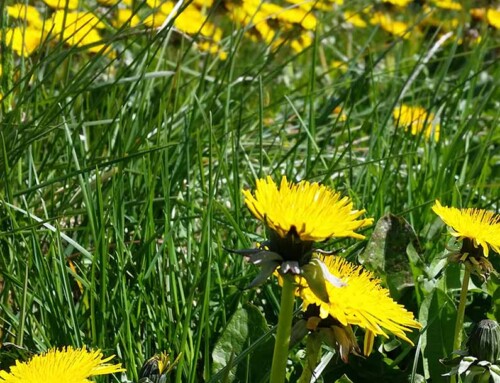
<point>478,229</point>
<point>157,368</point>
<point>67,365</point>
<point>361,301</point>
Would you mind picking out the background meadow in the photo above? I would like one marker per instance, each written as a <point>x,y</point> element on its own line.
<point>129,130</point>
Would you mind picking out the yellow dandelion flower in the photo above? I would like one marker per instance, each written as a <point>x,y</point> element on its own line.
<point>298,43</point>
<point>493,17</point>
<point>126,16</point>
<point>399,3</point>
<point>447,4</point>
<point>417,120</point>
<point>291,15</point>
<point>481,227</point>
<point>78,29</point>
<point>385,21</point>
<point>355,19</point>
<point>62,4</point>
<point>192,21</point>
<point>23,41</point>
<point>361,301</point>
<point>155,20</point>
<point>66,365</point>
<point>154,3</point>
<point>203,3</point>
<point>312,211</point>
<point>212,48</point>
<point>26,12</point>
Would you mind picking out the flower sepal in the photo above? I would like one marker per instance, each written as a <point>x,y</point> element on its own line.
<point>317,276</point>
<point>263,257</point>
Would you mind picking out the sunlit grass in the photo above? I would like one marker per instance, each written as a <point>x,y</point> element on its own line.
<point>123,159</point>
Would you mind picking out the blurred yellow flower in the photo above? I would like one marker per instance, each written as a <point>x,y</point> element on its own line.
<point>190,20</point>
<point>417,120</point>
<point>288,15</point>
<point>23,41</point>
<point>62,4</point>
<point>126,16</point>
<point>26,12</point>
<point>385,21</point>
<point>274,24</point>
<point>355,19</point>
<point>481,227</point>
<point>478,13</point>
<point>78,29</point>
<point>155,20</point>
<point>399,3</point>
<point>493,18</point>
<point>65,365</point>
<point>361,301</point>
<point>213,48</point>
<point>447,4</point>
<point>312,211</point>
<point>322,5</point>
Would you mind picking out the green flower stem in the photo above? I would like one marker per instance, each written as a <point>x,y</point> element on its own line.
<point>312,353</point>
<point>459,324</point>
<point>280,355</point>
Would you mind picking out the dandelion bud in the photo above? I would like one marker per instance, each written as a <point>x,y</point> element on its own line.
<point>484,341</point>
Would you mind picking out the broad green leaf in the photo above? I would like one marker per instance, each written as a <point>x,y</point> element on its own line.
<point>245,327</point>
<point>437,315</point>
<point>387,253</point>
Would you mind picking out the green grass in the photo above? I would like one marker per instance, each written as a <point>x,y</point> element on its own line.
<point>132,169</point>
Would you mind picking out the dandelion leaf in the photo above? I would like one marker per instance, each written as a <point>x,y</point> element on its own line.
<point>388,253</point>
<point>437,315</point>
